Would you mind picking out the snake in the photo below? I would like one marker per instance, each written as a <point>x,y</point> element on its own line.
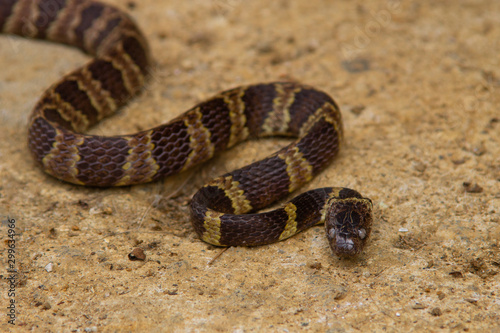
<point>227,211</point>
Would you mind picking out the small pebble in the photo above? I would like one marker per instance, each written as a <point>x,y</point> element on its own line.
<point>472,187</point>
<point>356,65</point>
<point>457,274</point>
<point>418,166</point>
<point>357,109</point>
<point>458,161</point>
<point>46,306</point>
<point>436,312</point>
<point>478,149</point>
<point>471,300</point>
<point>49,267</point>
<point>316,265</point>
<point>339,292</point>
<point>137,254</point>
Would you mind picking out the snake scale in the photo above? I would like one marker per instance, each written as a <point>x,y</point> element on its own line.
<point>224,211</point>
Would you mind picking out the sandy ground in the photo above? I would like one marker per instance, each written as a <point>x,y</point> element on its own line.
<point>418,85</point>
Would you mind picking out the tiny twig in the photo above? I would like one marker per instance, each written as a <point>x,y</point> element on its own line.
<point>178,189</point>
<point>218,255</point>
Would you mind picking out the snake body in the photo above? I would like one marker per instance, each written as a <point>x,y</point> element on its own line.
<point>223,212</point>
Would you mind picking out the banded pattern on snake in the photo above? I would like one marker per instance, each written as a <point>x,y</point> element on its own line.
<point>223,212</point>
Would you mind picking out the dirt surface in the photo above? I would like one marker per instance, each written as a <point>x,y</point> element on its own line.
<point>418,86</point>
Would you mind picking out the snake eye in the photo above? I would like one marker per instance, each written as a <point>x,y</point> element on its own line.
<point>362,233</point>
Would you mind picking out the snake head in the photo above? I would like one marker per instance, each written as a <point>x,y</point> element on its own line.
<point>348,222</point>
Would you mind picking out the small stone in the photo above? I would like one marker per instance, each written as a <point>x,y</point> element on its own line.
<point>457,274</point>
<point>264,47</point>
<point>83,204</point>
<point>472,187</point>
<point>418,166</point>
<point>53,233</point>
<point>107,211</point>
<point>478,149</point>
<point>493,122</point>
<point>137,254</point>
<point>315,265</point>
<point>471,300</point>
<point>458,161</point>
<point>418,306</point>
<point>49,267</point>
<point>339,292</point>
<point>171,292</point>
<point>357,109</point>
<point>356,65</point>
<point>46,306</point>
<point>436,312</point>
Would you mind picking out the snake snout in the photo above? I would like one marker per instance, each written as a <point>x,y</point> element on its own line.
<point>344,245</point>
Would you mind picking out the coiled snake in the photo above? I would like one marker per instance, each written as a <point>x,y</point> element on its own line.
<point>222,211</point>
